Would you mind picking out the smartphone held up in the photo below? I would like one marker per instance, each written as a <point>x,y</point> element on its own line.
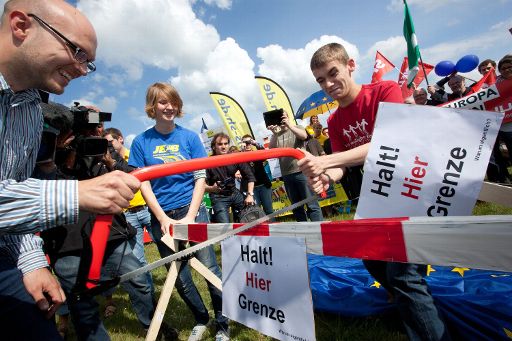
<point>273,117</point>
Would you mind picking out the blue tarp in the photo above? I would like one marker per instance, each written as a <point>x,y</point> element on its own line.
<point>476,304</point>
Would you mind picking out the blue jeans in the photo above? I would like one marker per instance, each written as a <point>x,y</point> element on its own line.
<point>263,197</point>
<point>84,312</point>
<point>421,318</point>
<point>222,203</point>
<point>20,319</point>
<point>139,220</point>
<point>296,186</point>
<point>184,283</point>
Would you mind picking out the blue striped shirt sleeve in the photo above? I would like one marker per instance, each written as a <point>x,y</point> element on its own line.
<point>36,205</point>
<point>27,205</point>
<point>25,250</point>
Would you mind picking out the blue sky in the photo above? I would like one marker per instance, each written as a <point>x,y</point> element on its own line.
<point>220,45</point>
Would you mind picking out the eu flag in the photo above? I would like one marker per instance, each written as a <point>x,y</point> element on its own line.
<point>476,304</point>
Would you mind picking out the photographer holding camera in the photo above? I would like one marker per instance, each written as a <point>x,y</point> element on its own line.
<point>286,135</point>
<point>83,157</point>
<point>220,183</point>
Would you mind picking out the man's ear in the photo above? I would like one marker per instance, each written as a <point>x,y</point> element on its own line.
<point>20,25</point>
<point>351,65</point>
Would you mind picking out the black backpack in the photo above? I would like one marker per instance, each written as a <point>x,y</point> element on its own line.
<point>250,213</point>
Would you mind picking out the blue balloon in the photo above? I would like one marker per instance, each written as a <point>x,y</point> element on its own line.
<point>444,68</point>
<point>467,63</point>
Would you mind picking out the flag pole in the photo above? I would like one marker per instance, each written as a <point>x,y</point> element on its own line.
<point>399,71</point>
<point>423,68</point>
<point>413,50</point>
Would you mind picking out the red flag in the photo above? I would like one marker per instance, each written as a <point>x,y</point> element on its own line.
<point>487,80</point>
<point>491,77</point>
<point>402,77</point>
<point>381,67</point>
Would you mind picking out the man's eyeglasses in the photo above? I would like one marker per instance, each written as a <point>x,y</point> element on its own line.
<point>79,54</point>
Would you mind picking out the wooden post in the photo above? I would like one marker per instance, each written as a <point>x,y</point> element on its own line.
<point>168,287</point>
<point>165,296</point>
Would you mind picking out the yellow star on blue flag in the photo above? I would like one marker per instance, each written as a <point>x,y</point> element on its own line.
<point>460,271</point>
<point>508,333</point>
<point>316,104</point>
<point>376,284</point>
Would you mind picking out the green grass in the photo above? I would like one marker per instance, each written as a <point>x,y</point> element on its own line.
<point>123,326</point>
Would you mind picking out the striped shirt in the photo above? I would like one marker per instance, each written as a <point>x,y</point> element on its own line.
<point>27,205</point>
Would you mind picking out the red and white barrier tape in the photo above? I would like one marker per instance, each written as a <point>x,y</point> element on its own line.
<point>480,242</point>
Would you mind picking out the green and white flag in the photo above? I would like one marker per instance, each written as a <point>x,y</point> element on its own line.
<point>413,50</point>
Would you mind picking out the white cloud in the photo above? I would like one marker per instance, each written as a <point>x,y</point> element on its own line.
<point>229,70</point>
<point>128,140</point>
<point>196,122</point>
<point>108,104</point>
<point>223,4</point>
<point>260,130</point>
<point>82,101</point>
<point>163,34</point>
<point>123,94</point>
<point>91,96</point>
<point>393,48</point>
<point>290,67</point>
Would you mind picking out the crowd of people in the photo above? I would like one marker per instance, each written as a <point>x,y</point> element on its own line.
<point>46,44</point>
<point>500,161</point>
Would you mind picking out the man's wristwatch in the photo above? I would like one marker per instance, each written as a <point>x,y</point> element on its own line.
<point>250,193</point>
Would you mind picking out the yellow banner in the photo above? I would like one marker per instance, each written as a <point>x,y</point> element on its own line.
<point>335,194</point>
<point>233,116</point>
<point>275,97</point>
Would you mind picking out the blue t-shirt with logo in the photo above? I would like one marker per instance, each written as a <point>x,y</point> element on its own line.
<point>152,148</point>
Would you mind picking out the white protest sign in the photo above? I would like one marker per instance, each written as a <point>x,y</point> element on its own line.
<point>497,97</point>
<point>275,169</point>
<point>426,161</point>
<point>265,286</point>
<point>206,138</point>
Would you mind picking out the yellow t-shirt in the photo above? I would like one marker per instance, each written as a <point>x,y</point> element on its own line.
<point>138,199</point>
<point>321,139</point>
<point>310,130</point>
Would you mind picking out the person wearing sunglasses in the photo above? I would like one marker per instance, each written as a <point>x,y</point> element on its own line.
<point>43,45</point>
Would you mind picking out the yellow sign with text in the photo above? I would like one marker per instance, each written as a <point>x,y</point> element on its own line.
<point>280,199</point>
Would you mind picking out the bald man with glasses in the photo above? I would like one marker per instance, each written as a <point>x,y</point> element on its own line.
<point>44,44</point>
